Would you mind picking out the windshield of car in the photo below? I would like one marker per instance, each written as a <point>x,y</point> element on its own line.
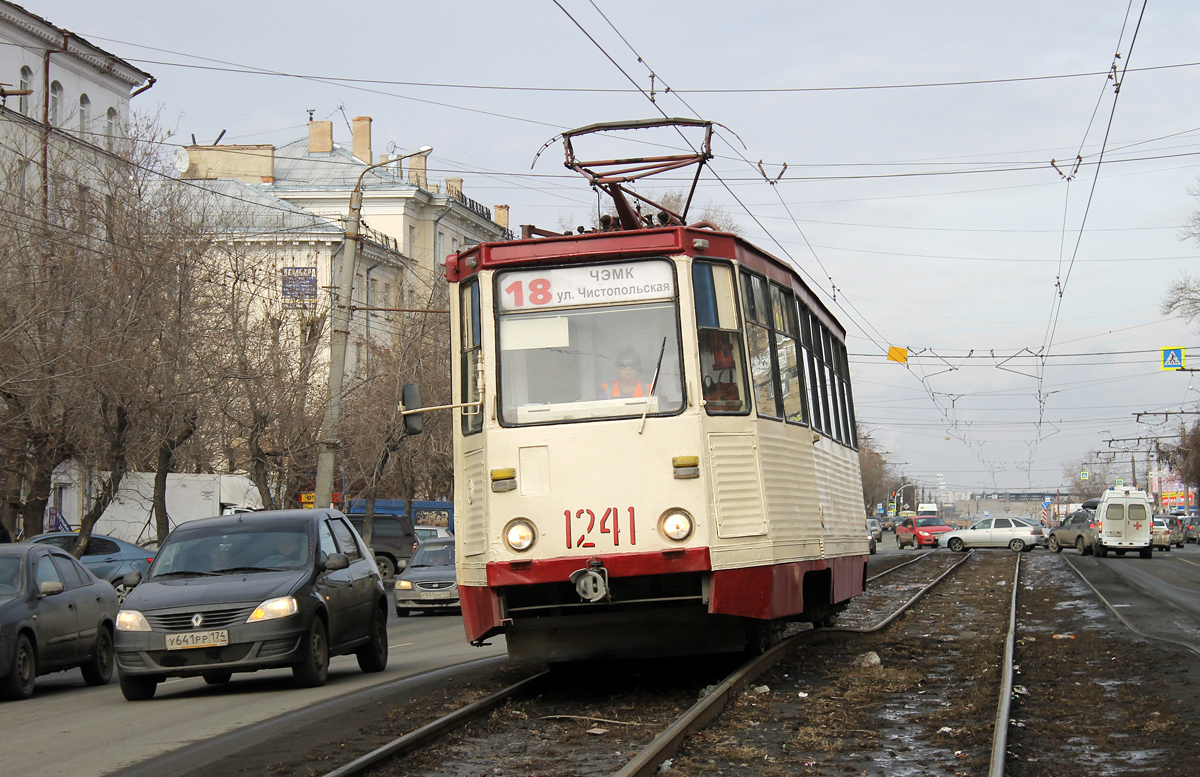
<point>237,549</point>
<point>930,521</point>
<point>10,575</point>
<point>433,556</point>
<point>588,342</point>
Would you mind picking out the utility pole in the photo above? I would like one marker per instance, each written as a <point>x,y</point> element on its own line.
<point>339,337</point>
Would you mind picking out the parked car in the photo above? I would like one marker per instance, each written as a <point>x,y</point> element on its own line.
<point>1012,533</point>
<point>54,615</point>
<point>920,531</point>
<point>1078,531</point>
<point>105,557</point>
<point>1160,534</point>
<point>1191,527</point>
<point>239,593</point>
<point>429,582</point>
<point>1175,523</point>
<point>875,529</point>
<point>392,540</point>
<point>432,532</point>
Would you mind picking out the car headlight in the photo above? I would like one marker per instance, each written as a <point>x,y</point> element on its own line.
<point>132,620</point>
<point>520,535</point>
<point>676,525</point>
<point>404,585</point>
<point>271,609</point>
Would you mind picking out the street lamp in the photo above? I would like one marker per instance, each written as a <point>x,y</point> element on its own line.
<point>339,336</point>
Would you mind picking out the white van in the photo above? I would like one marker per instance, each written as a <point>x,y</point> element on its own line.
<point>1123,522</point>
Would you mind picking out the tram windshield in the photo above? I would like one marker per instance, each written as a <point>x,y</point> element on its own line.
<point>581,343</point>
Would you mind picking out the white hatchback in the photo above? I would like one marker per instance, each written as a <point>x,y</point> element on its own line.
<point>1011,533</point>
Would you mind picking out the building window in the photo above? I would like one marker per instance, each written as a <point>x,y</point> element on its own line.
<point>85,114</point>
<point>56,93</point>
<point>437,249</point>
<point>26,83</point>
<point>110,128</point>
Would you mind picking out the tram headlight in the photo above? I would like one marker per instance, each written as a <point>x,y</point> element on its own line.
<point>676,524</point>
<point>520,535</point>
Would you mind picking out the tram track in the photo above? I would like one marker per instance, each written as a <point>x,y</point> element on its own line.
<point>671,733</point>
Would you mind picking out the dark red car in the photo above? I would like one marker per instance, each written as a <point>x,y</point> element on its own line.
<point>920,531</point>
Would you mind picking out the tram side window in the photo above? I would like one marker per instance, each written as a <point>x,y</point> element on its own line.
<point>836,428</point>
<point>847,395</point>
<point>787,356</point>
<point>472,340</point>
<point>757,309</point>
<point>812,345</point>
<point>722,375</point>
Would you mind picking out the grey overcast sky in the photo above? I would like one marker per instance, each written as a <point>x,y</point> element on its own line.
<point>919,195</point>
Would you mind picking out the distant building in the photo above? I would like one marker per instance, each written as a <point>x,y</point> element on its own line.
<point>424,220</point>
<point>59,91</point>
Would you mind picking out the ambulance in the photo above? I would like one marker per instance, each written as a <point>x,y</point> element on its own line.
<point>1123,522</point>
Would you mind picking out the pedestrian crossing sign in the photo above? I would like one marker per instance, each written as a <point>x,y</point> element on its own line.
<point>1172,359</point>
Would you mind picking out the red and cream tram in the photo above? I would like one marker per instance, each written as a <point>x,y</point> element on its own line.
<point>658,455</point>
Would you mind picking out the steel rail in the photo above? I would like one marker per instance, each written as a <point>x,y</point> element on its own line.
<point>666,744</point>
<point>1121,618</point>
<point>890,570</point>
<point>434,729</point>
<point>1004,707</point>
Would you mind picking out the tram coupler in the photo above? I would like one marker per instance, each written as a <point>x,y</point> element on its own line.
<point>591,582</point>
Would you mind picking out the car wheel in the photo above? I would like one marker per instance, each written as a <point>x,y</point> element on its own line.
<point>313,669</point>
<point>122,590</point>
<point>401,612</point>
<point>1016,545</point>
<point>138,688</point>
<point>373,656</point>
<point>1099,550</point>
<point>98,670</point>
<point>1147,553</point>
<point>218,676</point>
<point>899,542</point>
<point>1053,545</point>
<point>387,567</point>
<point>955,544</point>
<point>22,673</point>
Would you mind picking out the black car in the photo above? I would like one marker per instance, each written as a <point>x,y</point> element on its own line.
<point>392,539</point>
<point>54,615</point>
<point>428,583</point>
<point>261,590</point>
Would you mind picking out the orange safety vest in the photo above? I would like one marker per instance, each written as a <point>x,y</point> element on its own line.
<point>615,391</point>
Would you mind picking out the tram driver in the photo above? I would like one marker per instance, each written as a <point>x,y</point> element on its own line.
<point>628,382</point>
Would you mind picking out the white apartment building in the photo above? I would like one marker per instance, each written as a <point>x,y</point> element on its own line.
<point>73,85</point>
<point>427,220</point>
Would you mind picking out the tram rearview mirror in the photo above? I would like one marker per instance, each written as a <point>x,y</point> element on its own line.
<point>410,400</point>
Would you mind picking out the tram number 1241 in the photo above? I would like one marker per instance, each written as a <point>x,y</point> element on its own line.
<point>609,523</point>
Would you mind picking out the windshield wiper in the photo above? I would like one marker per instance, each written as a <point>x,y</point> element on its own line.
<point>234,570</point>
<point>188,572</point>
<point>653,384</point>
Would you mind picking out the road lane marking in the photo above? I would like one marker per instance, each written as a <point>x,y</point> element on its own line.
<point>402,644</point>
<point>1184,560</point>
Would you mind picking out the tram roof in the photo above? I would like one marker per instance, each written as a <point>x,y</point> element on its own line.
<point>634,244</point>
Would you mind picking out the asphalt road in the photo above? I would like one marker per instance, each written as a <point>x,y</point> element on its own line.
<point>70,728</point>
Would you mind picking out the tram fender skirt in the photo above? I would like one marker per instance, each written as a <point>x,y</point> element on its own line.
<point>480,611</point>
<point>777,591</point>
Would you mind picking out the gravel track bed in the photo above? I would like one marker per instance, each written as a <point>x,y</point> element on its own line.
<point>588,720</point>
<point>926,710</point>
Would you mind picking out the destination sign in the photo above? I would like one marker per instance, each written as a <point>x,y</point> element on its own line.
<point>569,287</point>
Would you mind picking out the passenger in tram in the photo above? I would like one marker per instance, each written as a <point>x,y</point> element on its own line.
<point>628,382</point>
